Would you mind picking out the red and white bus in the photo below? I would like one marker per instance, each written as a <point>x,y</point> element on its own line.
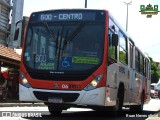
<point>82,58</point>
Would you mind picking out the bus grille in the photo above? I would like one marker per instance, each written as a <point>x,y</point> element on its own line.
<point>67,97</point>
<point>58,77</point>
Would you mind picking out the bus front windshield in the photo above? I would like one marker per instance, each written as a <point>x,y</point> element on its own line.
<point>64,46</point>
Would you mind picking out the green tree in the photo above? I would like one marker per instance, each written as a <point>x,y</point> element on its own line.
<point>155,71</point>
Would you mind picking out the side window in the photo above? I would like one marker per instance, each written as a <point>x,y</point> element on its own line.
<point>137,62</point>
<point>112,49</point>
<point>141,64</point>
<point>147,69</point>
<point>123,49</point>
<point>131,54</point>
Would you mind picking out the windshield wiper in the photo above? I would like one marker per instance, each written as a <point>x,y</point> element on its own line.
<point>50,31</point>
<point>53,37</point>
<point>70,37</point>
<point>75,31</point>
<point>64,43</point>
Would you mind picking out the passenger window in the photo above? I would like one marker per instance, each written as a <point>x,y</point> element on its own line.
<point>137,62</point>
<point>122,48</point>
<point>141,64</point>
<point>112,49</point>
<point>131,54</point>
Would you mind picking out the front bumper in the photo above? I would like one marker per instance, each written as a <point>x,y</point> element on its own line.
<point>92,97</point>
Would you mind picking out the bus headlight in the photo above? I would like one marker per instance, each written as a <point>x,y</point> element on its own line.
<point>93,84</point>
<point>24,81</point>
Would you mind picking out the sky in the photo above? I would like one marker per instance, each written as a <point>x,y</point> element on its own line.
<point>144,31</point>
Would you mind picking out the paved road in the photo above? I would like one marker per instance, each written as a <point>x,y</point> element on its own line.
<point>150,112</point>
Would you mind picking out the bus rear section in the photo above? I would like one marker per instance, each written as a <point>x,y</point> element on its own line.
<point>64,61</point>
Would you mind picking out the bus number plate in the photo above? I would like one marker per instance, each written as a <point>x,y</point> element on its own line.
<point>55,100</point>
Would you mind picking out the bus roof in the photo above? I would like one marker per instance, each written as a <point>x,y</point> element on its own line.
<point>69,9</point>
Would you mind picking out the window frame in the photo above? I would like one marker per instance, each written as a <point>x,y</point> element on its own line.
<point>125,50</point>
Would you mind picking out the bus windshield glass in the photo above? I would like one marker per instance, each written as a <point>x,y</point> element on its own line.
<point>64,46</point>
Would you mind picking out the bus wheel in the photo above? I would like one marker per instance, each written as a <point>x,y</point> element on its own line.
<point>119,99</point>
<point>138,108</point>
<point>55,110</point>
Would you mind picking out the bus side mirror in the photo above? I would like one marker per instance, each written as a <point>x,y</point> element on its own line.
<point>114,39</point>
<point>16,34</point>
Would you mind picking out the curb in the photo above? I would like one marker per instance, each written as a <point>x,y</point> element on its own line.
<point>22,104</point>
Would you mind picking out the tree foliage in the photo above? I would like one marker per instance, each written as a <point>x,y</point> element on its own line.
<point>155,71</point>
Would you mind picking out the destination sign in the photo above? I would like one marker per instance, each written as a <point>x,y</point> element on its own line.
<point>70,16</point>
<point>66,16</point>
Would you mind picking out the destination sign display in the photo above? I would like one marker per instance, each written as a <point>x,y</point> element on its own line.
<point>61,16</point>
<point>66,16</point>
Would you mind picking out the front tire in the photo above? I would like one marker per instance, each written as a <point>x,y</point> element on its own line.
<point>55,110</point>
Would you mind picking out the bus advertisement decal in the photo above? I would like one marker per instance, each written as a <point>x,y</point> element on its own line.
<point>46,66</point>
<point>85,60</point>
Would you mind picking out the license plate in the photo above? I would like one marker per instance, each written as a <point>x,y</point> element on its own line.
<point>55,100</point>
